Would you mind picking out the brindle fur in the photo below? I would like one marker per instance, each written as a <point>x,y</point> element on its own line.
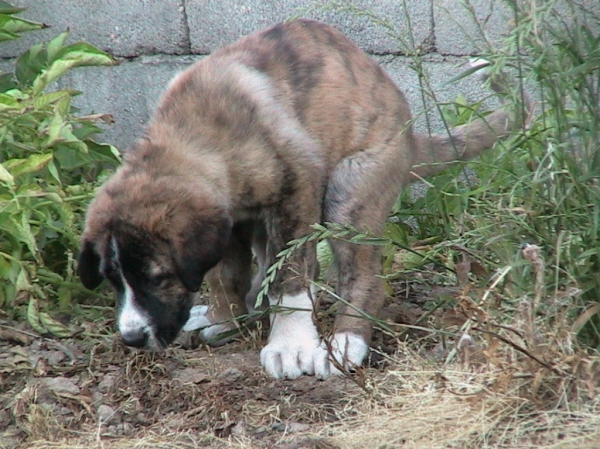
<point>289,126</point>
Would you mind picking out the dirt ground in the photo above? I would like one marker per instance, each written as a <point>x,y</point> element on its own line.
<point>90,391</point>
<point>58,390</point>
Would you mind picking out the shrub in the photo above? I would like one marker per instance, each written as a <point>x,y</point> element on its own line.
<point>542,187</point>
<point>49,162</point>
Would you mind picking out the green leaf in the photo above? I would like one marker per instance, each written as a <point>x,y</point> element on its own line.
<point>54,327</point>
<point>585,68</point>
<point>32,164</point>
<point>54,197</point>
<point>63,106</point>
<point>6,177</point>
<point>8,101</point>
<point>95,152</point>
<point>54,171</point>
<point>17,227</point>
<point>55,45</point>
<point>7,82</point>
<point>43,100</point>
<point>86,130</point>
<point>7,36</point>
<point>325,258</point>
<point>465,74</point>
<point>33,316</point>
<point>30,64</point>
<point>397,233</point>
<point>54,128</point>
<point>4,267</point>
<point>17,25</point>
<point>86,55</point>
<point>75,55</point>
<point>104,152</point>
<point>7,8</point>
<point>22,283</point>
<point>408,260</point>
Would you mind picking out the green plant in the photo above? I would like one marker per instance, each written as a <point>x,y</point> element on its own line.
<point>49,161</point>
<point>542,187</point>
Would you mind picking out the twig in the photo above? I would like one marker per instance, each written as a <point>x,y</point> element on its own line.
<point>522,350</point>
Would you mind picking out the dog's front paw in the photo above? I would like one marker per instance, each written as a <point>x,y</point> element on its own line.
<point>209,332</point>
<point>291,347</point>
<point>289,359</point>
<point>347,349</point>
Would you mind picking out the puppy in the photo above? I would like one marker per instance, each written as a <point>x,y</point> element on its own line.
<point>290,126</point>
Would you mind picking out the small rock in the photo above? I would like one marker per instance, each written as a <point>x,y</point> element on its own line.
<point>191,375</point>
<point>12,437</point>
<point>106,384</point>
<point>108,415</point>
<point>64,411</point>
<point>61,385</point>
<point>128,428</point>
<point>54,357</point>
<point>239,429</point>
<point>291,427</point>
<point>122,429</point>
<point>5,419</point>
<point>231,375</point>
<point>15,333</point>
<point>97,397</point>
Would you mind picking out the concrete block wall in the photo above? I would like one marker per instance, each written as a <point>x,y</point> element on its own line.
<point>155,39</point>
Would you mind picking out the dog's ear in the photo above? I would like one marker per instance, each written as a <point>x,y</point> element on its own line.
<point>89,266</point>
<point>199,246</point>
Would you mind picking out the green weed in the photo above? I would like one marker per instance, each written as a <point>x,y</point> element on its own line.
<point>49,161</point>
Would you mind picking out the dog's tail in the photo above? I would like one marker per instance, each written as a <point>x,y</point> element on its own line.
<point>437,152</point>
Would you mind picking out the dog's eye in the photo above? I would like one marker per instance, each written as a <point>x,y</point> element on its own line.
<point>162,280</point>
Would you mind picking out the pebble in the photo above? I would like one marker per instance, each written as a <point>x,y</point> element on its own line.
<point>291,427</point>
<point>231,375</point>
<point>106,384</point>
<point>61,385</point>
<point>107,415</point>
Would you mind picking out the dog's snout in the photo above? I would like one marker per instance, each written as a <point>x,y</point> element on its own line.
<point>135,338</point>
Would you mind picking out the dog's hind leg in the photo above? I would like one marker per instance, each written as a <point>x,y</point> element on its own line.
<point>229,282</point>
<point>361,192</point>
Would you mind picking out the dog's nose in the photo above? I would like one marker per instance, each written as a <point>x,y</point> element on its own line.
<point>135,338</point>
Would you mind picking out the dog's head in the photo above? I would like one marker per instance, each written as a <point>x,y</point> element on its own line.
<point>153,240</point>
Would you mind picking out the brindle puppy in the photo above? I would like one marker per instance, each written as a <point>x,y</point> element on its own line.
<point>290,126</point>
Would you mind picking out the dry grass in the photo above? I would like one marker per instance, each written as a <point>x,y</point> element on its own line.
<point>416,406</point>
<point>503,383</point>
<point>426,406</point>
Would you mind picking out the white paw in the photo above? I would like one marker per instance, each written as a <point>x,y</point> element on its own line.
<point>348,349</point>
<point>293,340</point>
<point>199,320</point>
<point>289,358</point>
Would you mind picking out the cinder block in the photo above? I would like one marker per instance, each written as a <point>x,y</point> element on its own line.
<point>583,12</point>
<point>215,23</point>
<point>121,27</point>
<point>466,28</point>
<point>129,91</point>
<point>428,94</point>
